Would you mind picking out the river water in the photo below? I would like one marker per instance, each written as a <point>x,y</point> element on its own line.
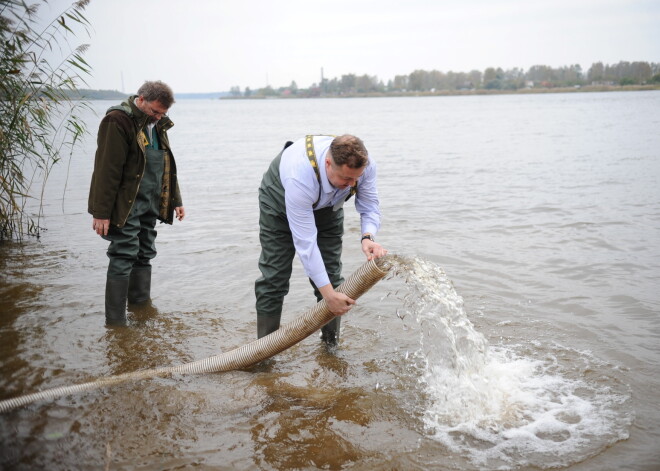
<point>519,329</point>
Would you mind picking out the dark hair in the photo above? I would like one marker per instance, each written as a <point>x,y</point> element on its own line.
<point>157,91</point>
<point>349,150</point>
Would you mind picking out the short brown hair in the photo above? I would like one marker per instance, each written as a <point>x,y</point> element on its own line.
<point>349,150</point>
<point>157,91</point>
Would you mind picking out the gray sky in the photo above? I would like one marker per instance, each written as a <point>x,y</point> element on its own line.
<point>212,45</point>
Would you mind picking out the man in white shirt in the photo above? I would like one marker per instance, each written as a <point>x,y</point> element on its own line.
<point>300,211</point>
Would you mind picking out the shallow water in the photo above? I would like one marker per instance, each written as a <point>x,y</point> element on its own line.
<point>521,331</point>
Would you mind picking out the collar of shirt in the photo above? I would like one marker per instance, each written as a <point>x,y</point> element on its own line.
<point>330,195</point>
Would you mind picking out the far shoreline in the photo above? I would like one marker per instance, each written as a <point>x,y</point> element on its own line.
<point>113,95</point>
<point>479,92</point>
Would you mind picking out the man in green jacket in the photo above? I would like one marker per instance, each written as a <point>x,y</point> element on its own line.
<point>134,184</point>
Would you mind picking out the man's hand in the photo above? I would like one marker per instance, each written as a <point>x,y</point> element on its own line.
<point>101,226</point>
<point>180,213</point>
<point>372,249</point>
<point>338,303</point>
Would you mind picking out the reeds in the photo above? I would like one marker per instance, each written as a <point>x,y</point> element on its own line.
<point>40,72</point>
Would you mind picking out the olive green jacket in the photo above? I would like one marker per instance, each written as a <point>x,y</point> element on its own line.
<point>120,163</point>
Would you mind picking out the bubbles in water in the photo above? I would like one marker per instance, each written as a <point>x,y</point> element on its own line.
<point>498,408</point>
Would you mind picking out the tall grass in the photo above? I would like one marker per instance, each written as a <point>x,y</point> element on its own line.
<point>39,121</point>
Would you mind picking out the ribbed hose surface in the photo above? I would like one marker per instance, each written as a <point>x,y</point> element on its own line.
<point>286,336</point>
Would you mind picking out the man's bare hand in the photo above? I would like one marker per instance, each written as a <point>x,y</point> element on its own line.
<point>101,226</point>
<point>180,212</point>
<point>372,249</point>
<point>338,303</point>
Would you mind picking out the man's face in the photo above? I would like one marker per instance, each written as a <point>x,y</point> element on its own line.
<point>343,176</point>
<point>154,109</point>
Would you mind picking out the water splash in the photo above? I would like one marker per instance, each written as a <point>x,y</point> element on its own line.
<point>498,408</point>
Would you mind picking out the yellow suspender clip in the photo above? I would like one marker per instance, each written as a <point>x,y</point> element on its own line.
<point>311,155</point>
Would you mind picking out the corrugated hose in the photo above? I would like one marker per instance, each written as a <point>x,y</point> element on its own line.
<point>286,336</point>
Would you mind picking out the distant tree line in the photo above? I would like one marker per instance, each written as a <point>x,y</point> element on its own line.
<point>88,94</point>
<point>537,77</point>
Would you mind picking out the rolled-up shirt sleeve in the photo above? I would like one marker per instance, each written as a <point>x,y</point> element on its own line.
<point>299,199</point>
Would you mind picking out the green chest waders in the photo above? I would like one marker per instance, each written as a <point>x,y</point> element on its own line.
<point>135,243</point>
<point>133,246</point>
<point>278,252</point>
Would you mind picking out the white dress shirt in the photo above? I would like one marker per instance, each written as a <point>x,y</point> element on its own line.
<point>302,191</point>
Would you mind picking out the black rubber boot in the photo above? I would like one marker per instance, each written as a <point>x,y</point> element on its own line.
<point>139,285</point>
<point>267,325</point>
<point>330,332</point>
<point>116,291</point>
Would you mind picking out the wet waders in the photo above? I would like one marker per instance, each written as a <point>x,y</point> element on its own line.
<point>133,246</point>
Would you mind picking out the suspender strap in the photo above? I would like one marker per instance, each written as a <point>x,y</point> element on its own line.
<point>311,155</point>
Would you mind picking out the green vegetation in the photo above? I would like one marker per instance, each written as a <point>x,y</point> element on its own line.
<point>87,94</point>
<point>538,79</point>
<point>38,120</point>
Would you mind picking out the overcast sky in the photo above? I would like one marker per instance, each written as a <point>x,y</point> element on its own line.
<point>212,45</point>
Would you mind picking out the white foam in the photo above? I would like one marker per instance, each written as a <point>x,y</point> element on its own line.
<point>519,414</point>
<point>496,407</point>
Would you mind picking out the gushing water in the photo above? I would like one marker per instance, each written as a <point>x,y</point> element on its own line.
<point>498,408</point>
